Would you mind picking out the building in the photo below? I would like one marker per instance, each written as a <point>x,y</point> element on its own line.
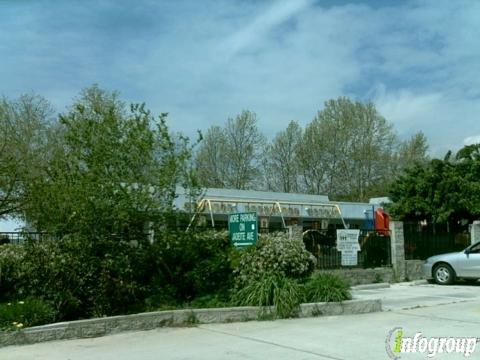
<point>277,211</point>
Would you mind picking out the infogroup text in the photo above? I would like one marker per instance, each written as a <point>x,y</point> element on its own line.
<point>397,343</point>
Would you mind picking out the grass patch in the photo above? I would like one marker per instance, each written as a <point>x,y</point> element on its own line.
<point>282,293</point>
<point>17,315</point>
<point>325,287</point>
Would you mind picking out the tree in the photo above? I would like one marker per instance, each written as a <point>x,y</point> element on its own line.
<point>411,151</point>
<point>211,158</point>
<point>24,123</point>
<point>231,157</point>
<point>439,191</point>
<point>372,149</point>
<point>109,169</point>
<point>346,149</point>
<point>312,157</point>
<point>281,160</point>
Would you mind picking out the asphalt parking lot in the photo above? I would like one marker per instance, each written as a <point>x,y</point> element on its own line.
<point>430,309</point>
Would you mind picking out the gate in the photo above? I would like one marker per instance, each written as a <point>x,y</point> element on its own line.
<point>375,250</point>
<point>423,241</point>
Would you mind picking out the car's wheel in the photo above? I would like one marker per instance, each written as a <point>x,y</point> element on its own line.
<point>444,274</point>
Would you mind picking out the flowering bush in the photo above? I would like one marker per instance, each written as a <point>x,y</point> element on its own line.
<point>11,268</point>
<point>81,277</point>
<point>276,254</point>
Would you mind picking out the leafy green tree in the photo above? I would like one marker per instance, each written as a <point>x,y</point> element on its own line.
<point>410,152</point>
<point>439,191</point>
<point>23,126</point>
<point>346,149</point>
<point>109,169</point>
<point>281,160</point>
<point>212,158</point>
<point>313,159</point>
<point>231,156</point>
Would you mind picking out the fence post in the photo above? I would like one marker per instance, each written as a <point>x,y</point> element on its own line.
<point>397,243</point>
<point>475,232</point>
<point>295,232</point>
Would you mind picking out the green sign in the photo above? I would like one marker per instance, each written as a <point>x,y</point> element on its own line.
<point>243,228</point>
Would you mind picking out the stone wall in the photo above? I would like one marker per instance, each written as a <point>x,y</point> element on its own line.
<point>475,232</point>
<point>413,270</point>
<point>364,276</point>
<point>398,249</point>
<point>147,321</point>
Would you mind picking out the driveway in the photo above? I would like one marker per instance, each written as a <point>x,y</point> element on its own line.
<point>430,309</point>
<point>419,294</point>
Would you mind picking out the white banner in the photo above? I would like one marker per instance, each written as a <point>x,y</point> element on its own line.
<point>347,243</point>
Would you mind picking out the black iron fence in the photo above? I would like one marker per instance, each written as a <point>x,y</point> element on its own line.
<point>423,241</point>
<point>21,237</point>
<point>375,250</point>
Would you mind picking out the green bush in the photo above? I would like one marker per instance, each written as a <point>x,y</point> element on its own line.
<point>325,287</point>
<point>11,269</point>
<point>192,264</point>
<point>60,272</point>
<point>4,239</point>
<point>276,254</point>
<point>16,315</point>
<point>283,293</point>
<point>83,278</point>
<point>216,300</point>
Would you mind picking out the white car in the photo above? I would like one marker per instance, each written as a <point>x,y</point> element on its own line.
<point>446,268</point>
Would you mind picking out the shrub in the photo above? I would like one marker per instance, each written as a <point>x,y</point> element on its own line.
<point>60,272</point>
<point>20,314</point>
<point>283,293</point>
<point>325,287</point>
<point>4,239</point>
<point>11,269</point>
<point>83,277</point>
<point>216,300</point>
<point>192,264</point>
<point>124,275</point>
<point>274,254</point>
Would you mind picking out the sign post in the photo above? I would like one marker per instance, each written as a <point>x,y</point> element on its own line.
<point>347,243</point>
<point>243,228</point>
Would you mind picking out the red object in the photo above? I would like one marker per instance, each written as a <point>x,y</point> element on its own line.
<point>382,222</point>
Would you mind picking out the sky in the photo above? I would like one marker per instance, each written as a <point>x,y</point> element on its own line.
<point>205,61</point>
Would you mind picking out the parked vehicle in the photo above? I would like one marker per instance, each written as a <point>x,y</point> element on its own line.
<point>446,268</point>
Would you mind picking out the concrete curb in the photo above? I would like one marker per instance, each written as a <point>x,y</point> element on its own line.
<point>420,282</point>
<point>371,286</point>
<point>146,321</point>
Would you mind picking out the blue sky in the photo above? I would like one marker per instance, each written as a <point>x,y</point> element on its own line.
<point>205,61</point>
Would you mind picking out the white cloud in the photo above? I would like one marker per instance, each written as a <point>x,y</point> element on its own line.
<point>206,61</point>
<point>254,31</point>
<point>442,117</point>
<point>472,140</point>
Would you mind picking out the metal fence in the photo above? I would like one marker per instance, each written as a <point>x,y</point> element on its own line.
<point>21,237</point>
<point>422,242</point>
<point>375,250</point>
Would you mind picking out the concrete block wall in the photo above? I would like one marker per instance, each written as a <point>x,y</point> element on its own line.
<point>413,270</point>
<point>147,321</point>
<point>398,249</point>
<point>364,276</point>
